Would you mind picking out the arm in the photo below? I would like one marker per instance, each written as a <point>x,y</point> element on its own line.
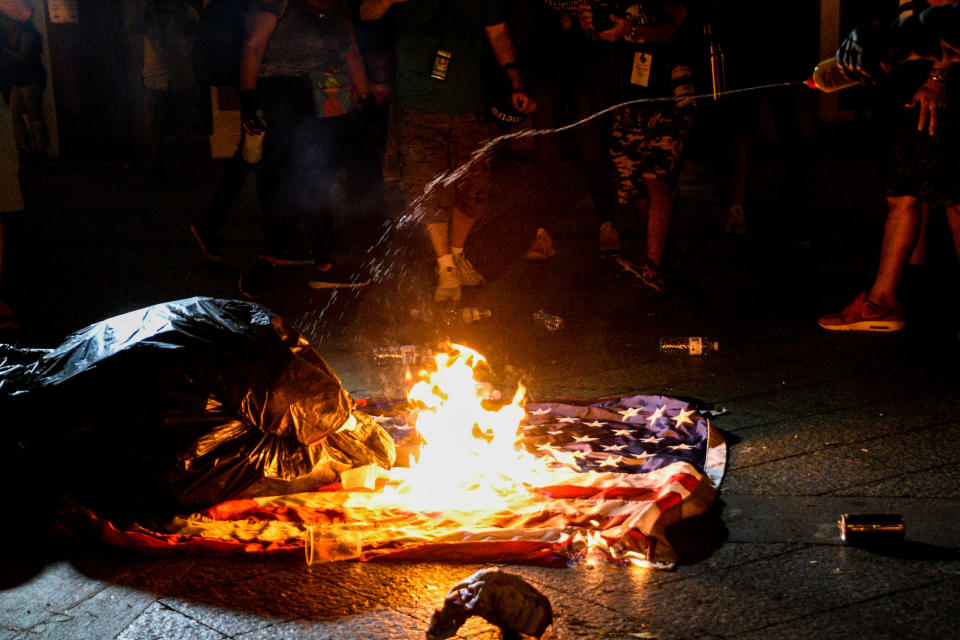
<point>18,10</point>
<point>358,70</point>
<point>503,51</point>
<point>624,29</point>
<point>375,9</point>
<point>260,26</point>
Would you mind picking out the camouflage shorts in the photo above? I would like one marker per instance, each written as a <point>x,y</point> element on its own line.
<point>646,143</point>
<point>434,143</point>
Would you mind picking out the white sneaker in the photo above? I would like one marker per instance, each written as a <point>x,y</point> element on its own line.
<point>609,237</point>
<point>542,247</point>
<point>448,285</point>
<point>736,220</point>
<point>469,277</point>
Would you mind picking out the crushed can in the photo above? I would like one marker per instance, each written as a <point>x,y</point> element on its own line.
<point>871,529</point>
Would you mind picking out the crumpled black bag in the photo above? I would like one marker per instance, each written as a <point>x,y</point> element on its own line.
<point>179,406</point>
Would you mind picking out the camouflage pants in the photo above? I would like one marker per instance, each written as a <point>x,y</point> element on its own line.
<point>646,143</point>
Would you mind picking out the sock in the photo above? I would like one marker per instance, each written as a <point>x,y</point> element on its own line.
<point>445,261</point>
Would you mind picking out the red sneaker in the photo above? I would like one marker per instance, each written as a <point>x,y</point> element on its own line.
<point>865,315</point>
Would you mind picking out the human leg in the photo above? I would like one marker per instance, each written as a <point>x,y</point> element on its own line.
<point>284,108</point>
<point>421,140</point>
<point>879,309</point>
<point>901,230</point>
<point>659,212</point>
<point>206,229</point>
<point>953,221</point>
<point>470,192</point>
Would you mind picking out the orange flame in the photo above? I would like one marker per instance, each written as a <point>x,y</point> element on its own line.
<point>470,464</point>
<point>469,458</point>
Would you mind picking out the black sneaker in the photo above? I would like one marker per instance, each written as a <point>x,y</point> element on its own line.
<point>253,282</point>
<point>209,247</point>
<point>337,278</point>
<point>289,257</point>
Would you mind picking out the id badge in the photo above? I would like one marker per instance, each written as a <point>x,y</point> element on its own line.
<point>441,62</point>
<point>642,63</point>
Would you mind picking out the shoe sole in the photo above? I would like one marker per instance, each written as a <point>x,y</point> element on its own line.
<point>213,257</point>
<point>880,326</point>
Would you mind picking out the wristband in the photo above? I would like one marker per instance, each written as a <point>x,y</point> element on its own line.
<point>510,65</point>
<point>937,77</point>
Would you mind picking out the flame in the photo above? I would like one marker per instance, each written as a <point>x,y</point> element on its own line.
<point>469,459</point>
<point>471,464</point>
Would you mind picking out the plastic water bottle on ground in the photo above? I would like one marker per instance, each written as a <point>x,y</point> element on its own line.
<point>467,315</point>
<point>693,345</point>
<point>403,354</point>
<point>551,322</point>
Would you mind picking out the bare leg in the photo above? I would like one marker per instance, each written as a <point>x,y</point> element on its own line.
<point>953,220</point>
<point>919,254</point>
<point>659,210</point>
<point>460,226</point>
<point>439,235</point>
<point>899,237</point>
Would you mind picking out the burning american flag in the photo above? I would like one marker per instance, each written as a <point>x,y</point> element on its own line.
<point>548,483</point>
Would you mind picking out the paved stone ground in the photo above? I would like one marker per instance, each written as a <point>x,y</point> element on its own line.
<point>819,424</point>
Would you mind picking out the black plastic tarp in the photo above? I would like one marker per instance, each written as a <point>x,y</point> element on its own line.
<point>179,406</point>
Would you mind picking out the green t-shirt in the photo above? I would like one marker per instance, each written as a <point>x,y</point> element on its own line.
<point>455,26</point>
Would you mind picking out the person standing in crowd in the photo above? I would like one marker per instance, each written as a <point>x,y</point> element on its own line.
<point>26,98</point>
<point>220,43</point>
<point>11,200</point>
<point>439,46</point>
<point>301,80</point>
<point>170,77</point>
<point>571,78</point>
<point>647,140</point>
<point>734,29</point>
<point>921,174</point>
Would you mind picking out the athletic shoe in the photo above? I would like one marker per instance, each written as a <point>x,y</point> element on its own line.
<point>865,315</point>
<point>337,278</point>
<point>651,275</point>
<point>254,282</point>
<point>7,318</point>
<point>609,237</point>
<point>448,285</point>
<point>468,276</point>
<point>542,247</point>
<point>209,247</point>
<point>736,221</point>
<point>289,257</point>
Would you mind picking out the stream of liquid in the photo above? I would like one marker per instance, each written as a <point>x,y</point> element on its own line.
<point>387,258</point>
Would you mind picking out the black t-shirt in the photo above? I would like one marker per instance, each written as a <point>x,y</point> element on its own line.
<point>646,66</point>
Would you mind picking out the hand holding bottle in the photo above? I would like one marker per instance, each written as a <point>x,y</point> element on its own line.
<point>862,54</point>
